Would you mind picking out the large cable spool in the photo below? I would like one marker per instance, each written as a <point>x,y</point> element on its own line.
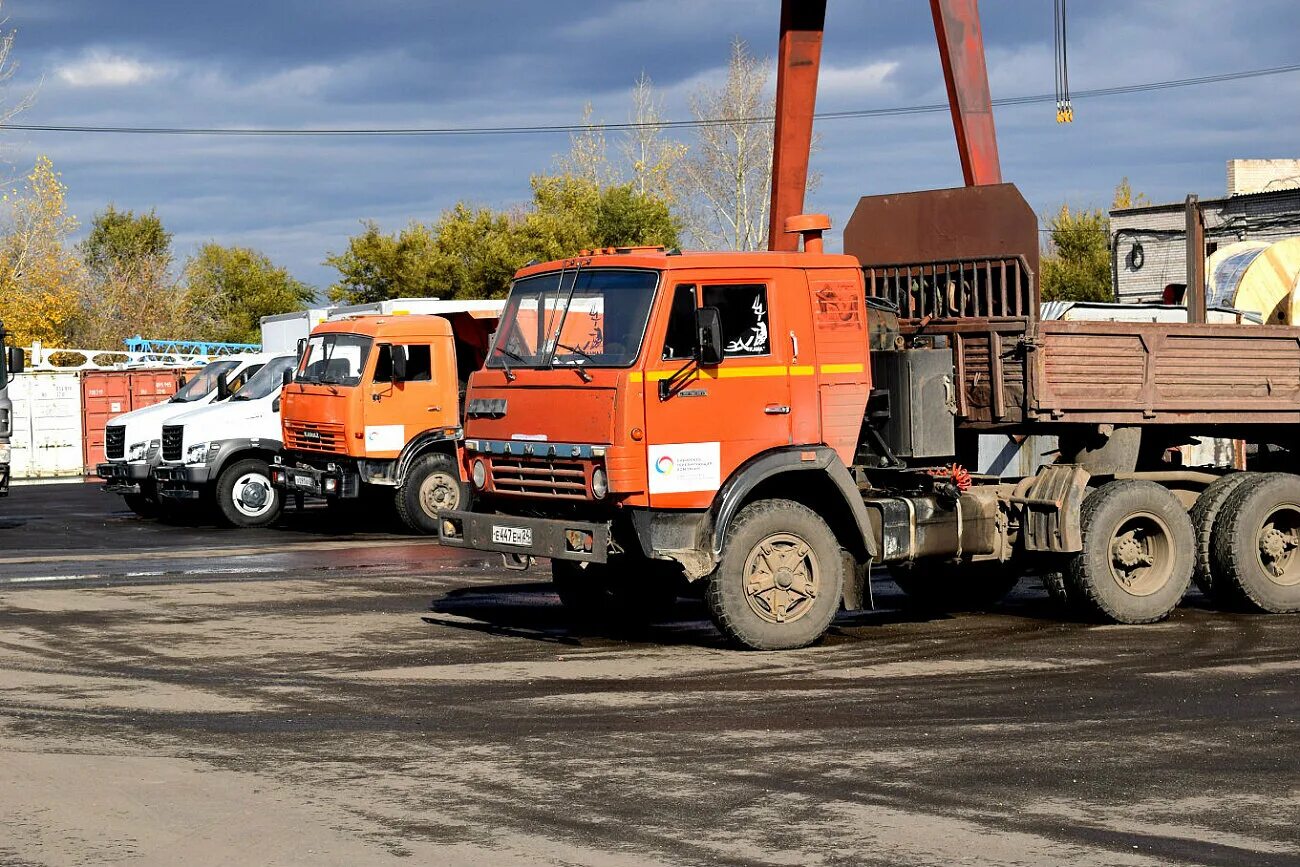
<point>1266,282</point>
<point>1224,267</point>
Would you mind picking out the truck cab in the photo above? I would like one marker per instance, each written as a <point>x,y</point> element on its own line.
<point>133,441</point>
<point>373,409</point>
<point>11,362</point>
<point>221,453</point>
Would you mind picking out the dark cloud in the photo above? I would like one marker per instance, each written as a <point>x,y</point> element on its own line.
<point>399,63</point>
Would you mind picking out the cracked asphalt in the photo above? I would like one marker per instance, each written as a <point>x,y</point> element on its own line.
<point>323,693</point>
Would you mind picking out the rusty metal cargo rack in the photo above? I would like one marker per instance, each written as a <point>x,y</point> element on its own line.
<point>998,287</point>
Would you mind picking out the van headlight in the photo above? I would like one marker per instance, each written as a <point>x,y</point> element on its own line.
<point>136,452</point>
<point>197,453</point>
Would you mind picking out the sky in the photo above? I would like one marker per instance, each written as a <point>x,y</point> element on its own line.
<point>436,63</point>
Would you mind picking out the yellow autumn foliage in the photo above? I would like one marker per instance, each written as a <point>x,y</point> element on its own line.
<point>39,273</point>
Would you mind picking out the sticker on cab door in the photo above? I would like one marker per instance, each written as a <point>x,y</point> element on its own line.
<point>684,467</point>
<point>385,437</point>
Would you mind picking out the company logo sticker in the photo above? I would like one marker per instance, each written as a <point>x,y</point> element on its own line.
<point>684,467</point>
<point>664,466</point>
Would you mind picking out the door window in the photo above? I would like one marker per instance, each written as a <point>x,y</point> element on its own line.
<point>419,364</point>
<point>743,309</point>
<point>680,340</point>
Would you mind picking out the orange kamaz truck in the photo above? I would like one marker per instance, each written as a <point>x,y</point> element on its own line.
<point>373,409</point>
<point>770,425</point>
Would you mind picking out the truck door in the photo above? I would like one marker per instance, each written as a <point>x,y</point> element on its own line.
<point>400,408</point>
<point>703,422</point>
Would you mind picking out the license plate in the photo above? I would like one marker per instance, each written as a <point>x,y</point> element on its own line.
<point>304,481</point>
<point>522,536</point>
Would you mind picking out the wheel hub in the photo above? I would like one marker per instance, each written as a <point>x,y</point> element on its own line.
<point>252,495</point>
<point>1141,557</point>
<point>438,493</point>
<point>1128,553</point>
<point>782,578</point>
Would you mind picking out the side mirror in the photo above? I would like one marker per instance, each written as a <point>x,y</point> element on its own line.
<point>399,363</point>
<point>302,346</point>
<point>708,336</point>
<point>182,382</point>
<point>15,359</point>
<point>286,377</point>
<point>275,404</point>
<point>223,385</point>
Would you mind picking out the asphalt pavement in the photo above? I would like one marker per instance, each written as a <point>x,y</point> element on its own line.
<point>332,692</point>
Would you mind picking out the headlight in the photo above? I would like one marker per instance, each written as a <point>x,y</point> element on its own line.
<point>479,474</point>
<point>136,452</point>
<point>599,483</point>
<point>4,453</point>
<point>197,453</point>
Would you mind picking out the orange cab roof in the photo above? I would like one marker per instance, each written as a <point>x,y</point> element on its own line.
<point>388,325</point>
<point>660,260</point>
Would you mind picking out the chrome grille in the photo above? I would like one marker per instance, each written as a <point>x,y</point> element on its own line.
<point>115,442</point>
<point>539,477</point>
<point>173,441</point>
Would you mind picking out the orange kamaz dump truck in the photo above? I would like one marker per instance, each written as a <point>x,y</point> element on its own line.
<point>373,410</point>
<point>770,425</point>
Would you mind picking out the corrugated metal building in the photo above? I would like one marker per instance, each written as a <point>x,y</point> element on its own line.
<point>1148,244</point>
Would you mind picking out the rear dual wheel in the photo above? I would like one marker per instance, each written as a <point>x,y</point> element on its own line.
<point>1256,544</point>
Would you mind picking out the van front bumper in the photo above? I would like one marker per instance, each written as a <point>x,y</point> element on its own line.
<point>123,478</point>
<point>518,538</point>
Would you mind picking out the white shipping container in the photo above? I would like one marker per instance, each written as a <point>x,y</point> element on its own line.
<point>47,437</point>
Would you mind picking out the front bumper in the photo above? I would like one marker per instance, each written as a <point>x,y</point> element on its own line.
<point>314,482</point>
<point>179,482</point>
<point>123,478</point>
<point>531,537</point>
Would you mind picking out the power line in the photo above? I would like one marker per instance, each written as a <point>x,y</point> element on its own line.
<point>893,111</point>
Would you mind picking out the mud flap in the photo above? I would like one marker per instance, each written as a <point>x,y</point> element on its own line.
<point>857,584</point>
<point>1052,507</point>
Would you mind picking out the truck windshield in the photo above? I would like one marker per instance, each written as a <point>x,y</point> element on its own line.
<point>594,318</point>
<point>203,382</point>
<point>334,359</point>
<point>268,380</point>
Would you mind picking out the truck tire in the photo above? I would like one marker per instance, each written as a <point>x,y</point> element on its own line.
<point>624,591</point>
<point>432,485</point>
<point>780,579</point>
<point>1256,544</point>
<point>142,504</point>
<point>245,496</point>
<point>1137,558</point>
<point>1204,514</point>
<point>943,586</point>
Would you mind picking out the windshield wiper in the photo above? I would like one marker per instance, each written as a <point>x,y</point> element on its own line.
<point>582,373</point>
<point>510,374</point>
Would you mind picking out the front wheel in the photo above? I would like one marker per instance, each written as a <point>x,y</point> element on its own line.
<point>432,485</point>
<point>142,504</point>
<point>779,583</point>
<point>245,495</point>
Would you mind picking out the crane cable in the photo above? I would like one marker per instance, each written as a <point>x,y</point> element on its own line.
<point>1064,109</point>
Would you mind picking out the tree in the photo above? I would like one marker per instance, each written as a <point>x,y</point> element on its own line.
<point>1076,265</point>
<point>229,289</point>
<point>377,266</point>
<point>39,276</point>
<point>123,241</point>
<point>129,288</point>
<point>729,172</point>
<point>654,160</point>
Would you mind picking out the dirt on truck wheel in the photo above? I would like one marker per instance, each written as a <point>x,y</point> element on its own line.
<point>1204,515</point>
<point>780,580</point>
<point>1256,544</point>
<point>432,485</point>
<point>1137,558</point>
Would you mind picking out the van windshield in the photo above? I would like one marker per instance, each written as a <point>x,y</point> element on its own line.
<point>268,380</point>
<point>203,382</point>
<point>591,318</point>
<point>334,359</point>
